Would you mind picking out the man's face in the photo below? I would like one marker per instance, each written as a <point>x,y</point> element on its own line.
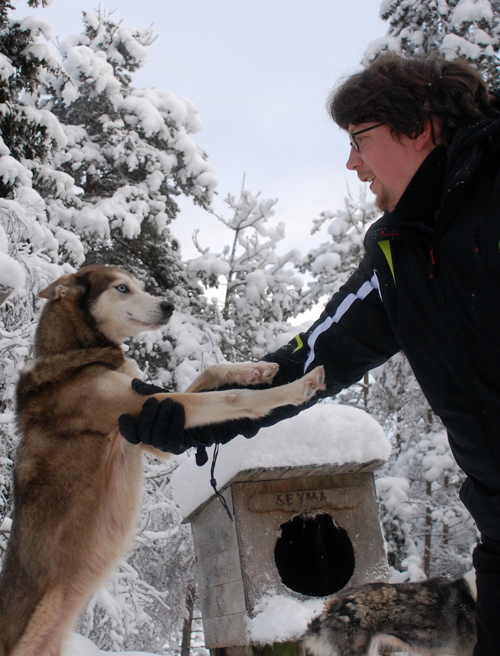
<point>387,162</point>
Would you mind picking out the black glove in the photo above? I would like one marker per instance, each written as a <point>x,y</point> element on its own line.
<point>160,423</point>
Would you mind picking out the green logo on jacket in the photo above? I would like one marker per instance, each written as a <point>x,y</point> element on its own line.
<point>386,250</point>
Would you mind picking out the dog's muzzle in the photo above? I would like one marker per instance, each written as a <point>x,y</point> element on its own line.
<point>167,309</point>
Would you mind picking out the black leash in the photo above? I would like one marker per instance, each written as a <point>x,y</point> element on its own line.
<point>213,482</point>
<point>201,458</point>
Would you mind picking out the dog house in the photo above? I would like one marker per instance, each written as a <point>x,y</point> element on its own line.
<point>305,520</point>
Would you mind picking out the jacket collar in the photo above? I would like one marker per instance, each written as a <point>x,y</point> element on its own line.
<point>420,199</point>
<point>485,128</point>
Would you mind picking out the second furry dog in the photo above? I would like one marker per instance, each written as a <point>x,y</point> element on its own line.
<point>433,618</point>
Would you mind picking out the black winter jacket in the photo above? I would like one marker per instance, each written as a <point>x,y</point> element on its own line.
<point>429,285</point>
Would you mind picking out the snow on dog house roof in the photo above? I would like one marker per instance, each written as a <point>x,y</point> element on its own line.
<point>325,439</point>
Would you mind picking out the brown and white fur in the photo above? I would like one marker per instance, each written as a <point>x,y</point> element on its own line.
<point>432,618</point>
<point>77,482</point>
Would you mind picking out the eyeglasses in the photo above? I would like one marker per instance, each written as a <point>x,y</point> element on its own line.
<point>353,135</point>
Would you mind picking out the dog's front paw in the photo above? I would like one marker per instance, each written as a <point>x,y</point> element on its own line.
<point>309,385</point>
<point>252,373</point>
<point>315,381</point>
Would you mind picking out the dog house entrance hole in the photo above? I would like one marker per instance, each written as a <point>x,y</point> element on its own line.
<point>314,555</point>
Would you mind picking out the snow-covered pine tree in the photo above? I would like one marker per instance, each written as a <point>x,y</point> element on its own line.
<point>451,28</point>
<point>129,150</point>
<point>130,153</point>
<point>143,166</point>
<point>28,245</point>
<point>261,289</point>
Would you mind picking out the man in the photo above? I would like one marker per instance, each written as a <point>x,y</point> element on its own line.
<point>425,135</point>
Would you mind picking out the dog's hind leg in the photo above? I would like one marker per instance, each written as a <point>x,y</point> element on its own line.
<point>45,629</point>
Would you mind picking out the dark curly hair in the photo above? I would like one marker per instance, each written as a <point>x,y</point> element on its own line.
<point>404,92</point>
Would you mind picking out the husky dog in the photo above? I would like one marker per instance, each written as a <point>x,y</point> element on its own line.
<point>433,618</point>
<point>77,482</point>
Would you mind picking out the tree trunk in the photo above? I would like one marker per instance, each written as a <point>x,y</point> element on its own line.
<point>428,532</point>
<point>188,621</point>
<point>428,510</point>
<point>366,383</point>
<point>445,526</point>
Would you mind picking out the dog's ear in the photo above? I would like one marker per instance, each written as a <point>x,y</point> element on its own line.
<point>62,287</point>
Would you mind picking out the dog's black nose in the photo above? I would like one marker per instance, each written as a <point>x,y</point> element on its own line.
<point>167,308</point>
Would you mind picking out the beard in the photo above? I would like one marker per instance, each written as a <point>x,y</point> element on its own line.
<point>385,200</point>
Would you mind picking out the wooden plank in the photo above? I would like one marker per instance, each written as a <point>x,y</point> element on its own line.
<point>222,633</point>
<point>247,475</point>
<point>221,568</point>
<point>273,474</point>
<point>299,472</point>
<point>305,501</point>
<point>212,540</point>
<point>277,473</point>
<point>232,651</point>
<point>372,466</point>
<point>221,600</point>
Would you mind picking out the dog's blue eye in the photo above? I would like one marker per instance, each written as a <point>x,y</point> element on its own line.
<point>122,288</point>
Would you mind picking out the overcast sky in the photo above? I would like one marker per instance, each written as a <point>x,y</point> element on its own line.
<point>259,72</point>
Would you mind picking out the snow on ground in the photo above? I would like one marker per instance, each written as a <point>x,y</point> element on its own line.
<point>281,618</point>
<point>77,645</point>
<point>325,434</point>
